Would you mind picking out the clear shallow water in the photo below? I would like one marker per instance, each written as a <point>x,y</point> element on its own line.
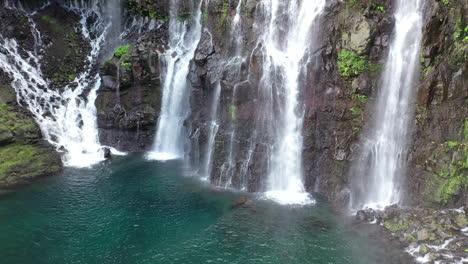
<point>133,211</point>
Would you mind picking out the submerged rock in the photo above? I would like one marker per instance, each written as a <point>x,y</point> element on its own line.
<point>239,202</point>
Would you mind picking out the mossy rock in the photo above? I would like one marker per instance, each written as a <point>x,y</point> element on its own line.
<point>22,155</point>
<point>19,163</point>
<point>16,126</point>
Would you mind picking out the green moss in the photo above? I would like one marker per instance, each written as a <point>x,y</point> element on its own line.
<point>356,111</point>
<point>351,64</point>
<point>233,111</point>
<point>126,64</point>
<point>57,27</point>
<point>23,128</point>
<point>453,177</point>
<point>394,226</point>
<point>205,16</point>
<point>122,51</point>
<point>23,161</point>
<point>452,144</point>
<point>223,18</point>
<point>359,97</point>
<point>465,130</point>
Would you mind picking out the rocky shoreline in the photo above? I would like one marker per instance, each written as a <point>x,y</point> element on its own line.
<point>429,235</point>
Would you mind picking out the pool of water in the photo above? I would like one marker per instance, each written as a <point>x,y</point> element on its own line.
<point>130,210</point>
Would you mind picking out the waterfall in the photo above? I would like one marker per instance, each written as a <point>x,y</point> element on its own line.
<point>66,116</point>
<point>381,167</point>
<point>184,36</point>
<point>286,46</point>
<point>214,126</point>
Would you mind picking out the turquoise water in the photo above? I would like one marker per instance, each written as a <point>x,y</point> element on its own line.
<point>133,211</point>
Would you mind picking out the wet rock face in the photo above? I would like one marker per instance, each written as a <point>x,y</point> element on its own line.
<point>339,104</point>
<point>129,100</point>
<point>65,53</point>
<point>437,168</point>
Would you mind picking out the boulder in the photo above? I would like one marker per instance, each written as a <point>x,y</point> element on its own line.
<point>239,202</point>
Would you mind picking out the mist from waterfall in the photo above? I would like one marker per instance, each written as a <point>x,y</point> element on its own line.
<point>380,171</point>
<point>184,35</point>
<point>66,116</point>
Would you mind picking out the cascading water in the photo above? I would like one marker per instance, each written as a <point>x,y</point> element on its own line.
<point>214,126</point>
<point>183,40</point>
<point>382,164</point>
<point>233,65</point>
<point>285,59</point>
<point>66,117</point>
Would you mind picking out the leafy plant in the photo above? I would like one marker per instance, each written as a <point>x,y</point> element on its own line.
<point>360,97</point>
<point>356,111</point>
<point>122,51</point>
<point>126,64</point>
<point>351,64</point>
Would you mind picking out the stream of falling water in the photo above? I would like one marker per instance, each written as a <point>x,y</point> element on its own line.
<point>214,126</point>
<point>67,117</point>
<point>171,136</point>
<point>286,55</point>
<point>381,168</point>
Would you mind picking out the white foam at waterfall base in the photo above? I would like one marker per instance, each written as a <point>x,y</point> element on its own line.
<point>183,40</point>
<point>66,116</point>
<point>288,60</point>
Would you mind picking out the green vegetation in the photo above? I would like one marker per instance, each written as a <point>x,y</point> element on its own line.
<point>454,178</point>
<point>452,144</point>
<point>205,16</point>
<point>351,64</point>
<point>126,64</point>
<point>359,97</point>
<point>394,226</point>
<point>465,130</point>
<point>356,111</point>
<point>122,51</point>
<point>15,124</point>
<point>380,9</point>
<point>20,156</point>
<point>460,30</point>
<point>71,77</point>
<point>57,27</point>
<point>223,21</point>
<point>233,111</point>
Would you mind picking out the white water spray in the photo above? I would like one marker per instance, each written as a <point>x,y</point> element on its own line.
<point>383,158</point>
<point>183,41</point>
